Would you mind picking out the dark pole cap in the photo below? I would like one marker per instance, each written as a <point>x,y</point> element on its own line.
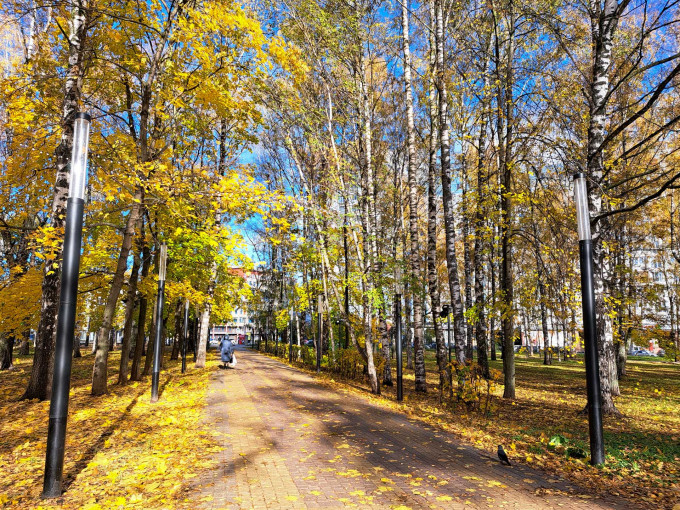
<point>579,175</point>
<point>84,115</point>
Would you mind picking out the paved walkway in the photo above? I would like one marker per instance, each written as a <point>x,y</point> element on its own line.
<point>292,443</point>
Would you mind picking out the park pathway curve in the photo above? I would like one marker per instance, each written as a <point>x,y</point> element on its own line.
<point>290,442</point>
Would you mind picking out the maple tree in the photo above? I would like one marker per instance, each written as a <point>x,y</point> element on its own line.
<point>157,89</point>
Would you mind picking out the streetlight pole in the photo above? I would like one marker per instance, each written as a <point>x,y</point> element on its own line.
<point>397,323</point>
<point>589,321</point>
<point>319,339</point>
<point>66,320</point>
<point>266,334</point>
<point>445,313</point>
<point>186,339</point>
<point>158,347</point>
<point>290,337</point>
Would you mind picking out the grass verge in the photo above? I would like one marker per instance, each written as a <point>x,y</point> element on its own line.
<point>121,450</point>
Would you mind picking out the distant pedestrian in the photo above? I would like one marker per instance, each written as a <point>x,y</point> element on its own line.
<point>227,353</point>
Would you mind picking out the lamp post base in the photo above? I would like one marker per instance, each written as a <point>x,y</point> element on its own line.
<point>155,378</point>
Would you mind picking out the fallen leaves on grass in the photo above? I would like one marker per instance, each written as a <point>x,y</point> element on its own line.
<point>642,447</point>
<point>121,450</point>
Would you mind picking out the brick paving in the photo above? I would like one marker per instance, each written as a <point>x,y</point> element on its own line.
<point>290,442</point>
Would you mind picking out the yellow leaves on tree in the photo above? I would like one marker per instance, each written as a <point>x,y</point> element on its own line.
<point>20,302</point>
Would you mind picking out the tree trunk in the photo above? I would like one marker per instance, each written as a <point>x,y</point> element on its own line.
<point>492,315</point>
<point>386,341</point>
<point>194,336</point>
<point>25,346</point>
<point>671,314</point>
<point>176,339</point>
<point>603,26</point>
<point>205,322</point>
<point>544,318</point>
<point>413,192</point>
<point>432,279</point>
<point>99,371</point>
<point>449,223</point>
<point>151,346</point>
<point>622,356</point>
<point>676,332</point>
<point>622,331</point>
<point>135,373</point>
<point>369,215</point>
<point>408,334</point>
<point>297,336</point>
<point>207,307</point>
<point>6,351</point>
<point>505,111</point>
<point>40,382</point>
<point>76,347</point>
<point>129,313</point>
<point>480,234</point>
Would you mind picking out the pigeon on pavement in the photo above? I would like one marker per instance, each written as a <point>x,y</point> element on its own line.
<point>503,456</point>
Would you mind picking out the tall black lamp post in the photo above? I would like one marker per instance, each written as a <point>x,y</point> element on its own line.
<point>445,313</point>
<point>589,323</point>
<point>186,336</point>
<point>66,320</point>
<point>319,337</point>
<point>398,290</point>
<point>158,347</point>
<point>267,334</point>
<point>290,337</point>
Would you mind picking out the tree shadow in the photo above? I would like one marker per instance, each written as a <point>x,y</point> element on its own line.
<point>89,454</point>
<point>377,442</point>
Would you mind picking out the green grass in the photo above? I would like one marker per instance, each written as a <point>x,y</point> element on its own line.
<point>642,445</point>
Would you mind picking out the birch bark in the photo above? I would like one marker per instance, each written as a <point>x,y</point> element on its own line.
<point>432,279</point>
<point>604,19</point>
<point>449,222</point>
<point>479,226</point>
<point>414,252</point>
<point>40,382</point>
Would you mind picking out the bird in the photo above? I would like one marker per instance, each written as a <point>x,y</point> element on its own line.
<point>503,456</point>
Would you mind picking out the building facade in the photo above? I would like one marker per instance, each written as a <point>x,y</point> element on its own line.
<point>240,328</point>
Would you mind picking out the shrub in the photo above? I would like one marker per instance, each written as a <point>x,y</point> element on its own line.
<point>473,387</point>
<point>346,362</point>
<point>308,355</point>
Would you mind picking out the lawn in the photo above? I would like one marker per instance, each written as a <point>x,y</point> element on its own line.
<point>121,450</point>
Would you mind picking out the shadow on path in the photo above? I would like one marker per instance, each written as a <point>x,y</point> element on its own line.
<point>298,444</point>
